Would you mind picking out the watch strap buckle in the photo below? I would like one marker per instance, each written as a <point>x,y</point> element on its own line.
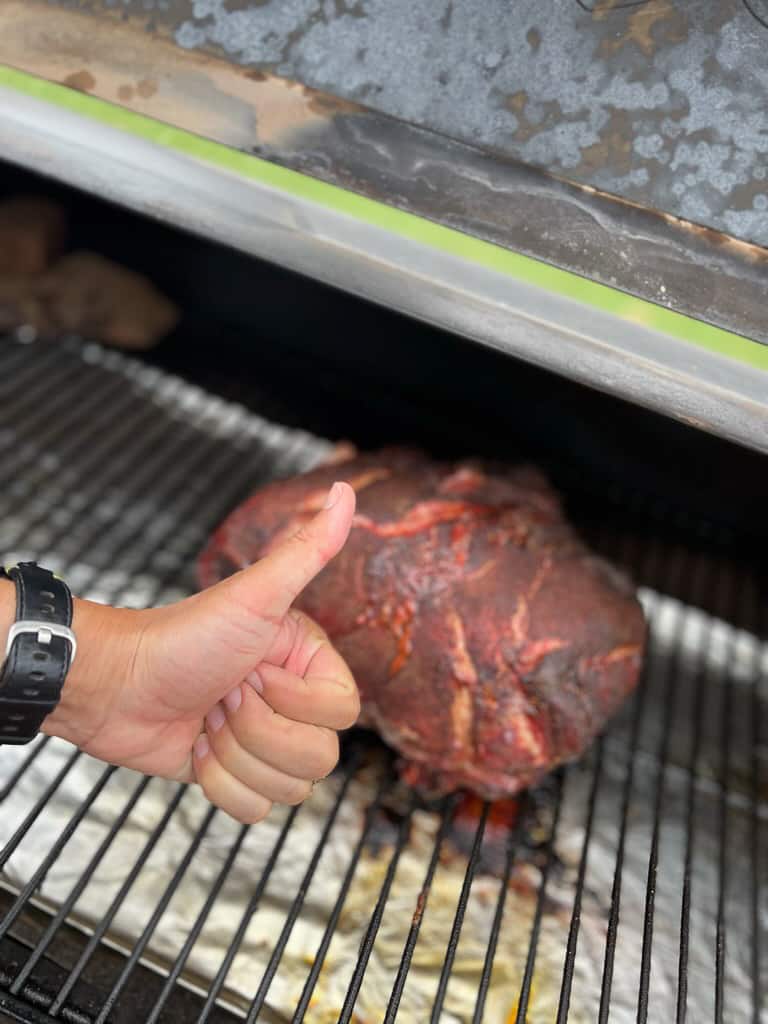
<point>45,631</point>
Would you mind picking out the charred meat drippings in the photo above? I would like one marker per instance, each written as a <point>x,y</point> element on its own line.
<point>488,642</point>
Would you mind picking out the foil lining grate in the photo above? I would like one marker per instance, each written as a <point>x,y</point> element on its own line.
<point>630,886</point>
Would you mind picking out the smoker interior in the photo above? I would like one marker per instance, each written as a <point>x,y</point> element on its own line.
<point>628,886</point>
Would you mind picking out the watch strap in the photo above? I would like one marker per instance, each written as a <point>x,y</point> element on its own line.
<point>40,650</point>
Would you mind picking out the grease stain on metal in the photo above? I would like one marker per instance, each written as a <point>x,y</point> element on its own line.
<point>82,80</point>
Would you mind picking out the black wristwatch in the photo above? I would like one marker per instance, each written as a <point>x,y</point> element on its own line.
<point>38,654</point>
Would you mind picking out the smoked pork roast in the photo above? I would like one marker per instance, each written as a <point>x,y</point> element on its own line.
<point>489,644</point>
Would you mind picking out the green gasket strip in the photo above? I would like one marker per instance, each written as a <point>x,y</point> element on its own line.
<point>407,225</point>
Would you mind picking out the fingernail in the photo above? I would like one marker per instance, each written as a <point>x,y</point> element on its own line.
<point>215,718</point>
<point>254,679</point>
<point>333,495</point>
<point>202,746</point>
<point>233,699</point>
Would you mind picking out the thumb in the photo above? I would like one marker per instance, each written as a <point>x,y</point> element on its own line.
<point>233,624</point>
<point>272,584</point>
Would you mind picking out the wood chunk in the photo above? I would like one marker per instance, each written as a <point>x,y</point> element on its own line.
<point>89,295</point>
<point>32,235</point>
<point>21,305</point>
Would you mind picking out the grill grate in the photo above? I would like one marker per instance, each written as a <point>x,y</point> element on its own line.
<point>631,886</point>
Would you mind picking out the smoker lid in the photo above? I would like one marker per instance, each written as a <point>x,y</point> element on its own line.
<point>617,291</point>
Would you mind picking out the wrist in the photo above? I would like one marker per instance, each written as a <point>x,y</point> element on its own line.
<point>106,642</point>
<point>106,646</point>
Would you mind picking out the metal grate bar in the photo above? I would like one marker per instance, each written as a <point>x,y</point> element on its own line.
<point>668,683</point>
<point>25,764</point>
<point>690,823</point>
<point>726,714</point>
<point>573,930</point>
<point>41,480</point>
<point>100,452</point>
<point>446,817</point>
<point>197,927</point>
<point>36,810</point>
<point>333,919</point>
<point>513,842</point>
<point>56,412</point>
<point>757,879</point>
<point>141,467</point>
<point>639,704</point>
<point>458,921</point>
<point>114,906</point>
<point>30,403</point>
<point>638,711</point>
<point>55,850</point>
<point>66,907</point>
<point>157,913</point>
<point>133,540</point>
<point>245,920</point>
<point>15,365</point>
<point>224,484</point>
<point>32,1006</point>
<point>366,946</point>
<point>159,473</point>
<point>30,385</point>
<point>258,1002</point>
<point>533,941</point>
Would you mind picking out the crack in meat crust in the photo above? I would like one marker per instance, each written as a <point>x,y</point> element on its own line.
<point>488,642</point>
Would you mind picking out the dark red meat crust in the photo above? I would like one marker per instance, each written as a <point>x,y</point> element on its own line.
<point>488,643</point>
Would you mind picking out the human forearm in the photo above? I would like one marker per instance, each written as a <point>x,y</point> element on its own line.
<point>106,640</point>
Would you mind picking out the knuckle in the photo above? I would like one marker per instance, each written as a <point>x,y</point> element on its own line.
<point>250,728</point>
<point>303,535</point>
<point>296,791</point>
<point>245,608</point>
<point>347,708</point>
<point>257,812</point>
<point>327,755</point>
<point>289,730</point>
<point>353,709</point>
<point>309,625</point>
<point>312,543</point>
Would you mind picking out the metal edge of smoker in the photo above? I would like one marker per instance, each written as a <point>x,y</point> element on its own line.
<point>600,349</point>
<point>129,57</point>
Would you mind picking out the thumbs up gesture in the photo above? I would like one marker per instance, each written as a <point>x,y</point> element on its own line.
<point>231,688</point>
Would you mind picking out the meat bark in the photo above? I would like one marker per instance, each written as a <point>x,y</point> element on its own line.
<point>489,644</point>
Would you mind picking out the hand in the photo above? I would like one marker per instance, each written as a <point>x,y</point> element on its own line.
<point>231,688</point>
